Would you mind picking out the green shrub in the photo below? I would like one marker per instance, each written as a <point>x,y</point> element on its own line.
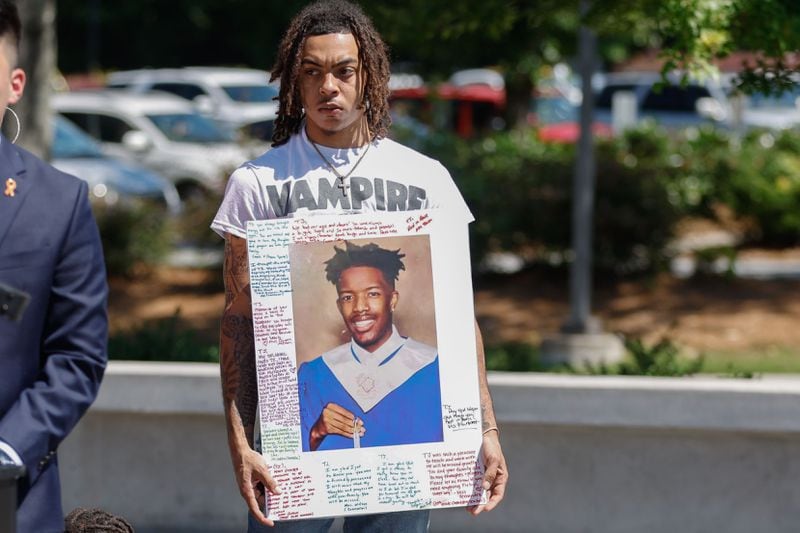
<point>660,359</point>
<point>762,183</point>
<point>134,237</point>
<point>519,190</point>
<point>162,340</point>
<point>635,214</point>
<point>757,176</point>
<point>513,357</point>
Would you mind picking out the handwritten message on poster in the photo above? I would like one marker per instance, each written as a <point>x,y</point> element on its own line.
<point>366,363</point>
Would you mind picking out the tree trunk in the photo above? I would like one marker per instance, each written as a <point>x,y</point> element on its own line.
<point>519,90</point>
<point>38,59</point>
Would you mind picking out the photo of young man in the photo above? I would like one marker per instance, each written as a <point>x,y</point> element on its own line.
<point>356,394</point>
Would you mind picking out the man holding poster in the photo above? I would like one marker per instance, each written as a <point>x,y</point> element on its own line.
<point>330,156</point>
<point>353,395</point>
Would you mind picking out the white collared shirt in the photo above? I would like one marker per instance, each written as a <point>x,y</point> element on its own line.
<point>368,377</point>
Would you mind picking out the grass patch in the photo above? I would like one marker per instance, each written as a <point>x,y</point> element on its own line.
<point>766,360</point>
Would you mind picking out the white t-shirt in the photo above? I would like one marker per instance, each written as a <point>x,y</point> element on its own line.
<point>293,179</point>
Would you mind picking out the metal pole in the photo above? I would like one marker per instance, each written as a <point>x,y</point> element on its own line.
<point>583,191</point>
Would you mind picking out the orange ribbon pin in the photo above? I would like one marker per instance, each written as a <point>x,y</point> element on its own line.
<point>11,186</point>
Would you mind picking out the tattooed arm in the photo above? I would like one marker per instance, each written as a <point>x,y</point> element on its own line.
<point>496,475</point>
<point>238,373</point>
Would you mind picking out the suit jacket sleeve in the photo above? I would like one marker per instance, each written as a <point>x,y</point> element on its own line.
<point>73,348</point>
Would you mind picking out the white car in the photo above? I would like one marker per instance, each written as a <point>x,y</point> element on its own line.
<point>111,181</point>
<point>237,97</point>
<point>160,131</point>
<point>778,112</point>
<point>673,105</point>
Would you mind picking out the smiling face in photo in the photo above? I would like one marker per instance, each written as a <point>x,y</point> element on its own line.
<point>366,301</point>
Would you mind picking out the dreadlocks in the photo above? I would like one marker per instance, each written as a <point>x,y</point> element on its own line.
<point>321,18</point>
<point>389,262</point>
<point>83,520</point>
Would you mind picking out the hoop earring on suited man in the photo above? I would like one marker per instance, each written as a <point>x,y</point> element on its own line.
<point>19,127</point>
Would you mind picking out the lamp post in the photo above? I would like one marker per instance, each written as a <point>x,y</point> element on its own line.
<point>581,338</point>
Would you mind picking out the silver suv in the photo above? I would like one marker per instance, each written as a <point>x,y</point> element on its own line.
<point>237,97</point>
<point>160,131</point>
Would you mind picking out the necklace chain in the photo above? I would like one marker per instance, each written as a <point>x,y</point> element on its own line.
<point>341,177</point>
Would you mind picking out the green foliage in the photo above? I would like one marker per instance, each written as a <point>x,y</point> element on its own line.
<point>763,183</point>
<point>635,215</point>
<point>519,190</point>
<point>162,340</point>
<point>440,37</point>
<point>513,357</point>
<point>134,237</point>
<point>692,34</point>
<point>756,175</point>
<point>170,34</point>
<point>660,359</point>
<point>444,36</point>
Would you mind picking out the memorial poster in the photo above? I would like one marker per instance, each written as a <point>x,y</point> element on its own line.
<point>366,362</point>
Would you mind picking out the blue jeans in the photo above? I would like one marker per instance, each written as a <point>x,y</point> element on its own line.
<point>400,522</point>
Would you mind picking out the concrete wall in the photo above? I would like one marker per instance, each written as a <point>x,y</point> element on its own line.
<point>586,454</point>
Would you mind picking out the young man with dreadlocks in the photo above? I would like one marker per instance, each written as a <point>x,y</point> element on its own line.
<point>330,155</point>
<point>353,395</point>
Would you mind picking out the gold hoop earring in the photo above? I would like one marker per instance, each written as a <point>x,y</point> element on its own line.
<point>19,127</point>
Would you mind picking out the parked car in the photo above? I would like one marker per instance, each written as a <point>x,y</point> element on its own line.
<point>160,131</point>
<point>778,112</point>
<point>111,181</point>
<point>557,118</point>
<point>236,97</point>
<point>467,109</point>
<point>673,105</point>
<point>478,76</point>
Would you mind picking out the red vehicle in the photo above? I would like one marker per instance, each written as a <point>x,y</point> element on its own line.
<point>475,104</point>
<point>467,110</point>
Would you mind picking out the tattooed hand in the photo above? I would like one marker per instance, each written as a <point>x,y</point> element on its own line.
<point>239,386</point>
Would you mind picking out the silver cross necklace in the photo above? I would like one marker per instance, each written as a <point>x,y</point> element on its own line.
<point>342,185</point>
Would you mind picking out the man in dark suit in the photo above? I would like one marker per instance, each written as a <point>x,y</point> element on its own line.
<point>53,354</point>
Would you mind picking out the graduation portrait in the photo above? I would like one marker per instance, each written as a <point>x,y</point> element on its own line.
<point>366,344</point>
